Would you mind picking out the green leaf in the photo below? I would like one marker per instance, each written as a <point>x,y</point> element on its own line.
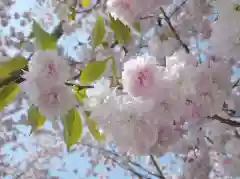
<point>86,3</point>
<point>122,32</point>
<point>236,7</point>
<point>72,15</point>
<point>44,40</point>
<point>93,71</point>
<point>72,127</point>
<point>98,32</point>
<point>8,94</point>
<point>92,127</point>
<point>137,26</point>
<point>14,64</point>
<point>105,44</point>
<point>35,118</point>
<point>80,95</point>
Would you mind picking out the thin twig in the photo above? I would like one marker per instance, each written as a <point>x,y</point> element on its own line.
<point>236,84</point>
<point>79,87</point>
<point>177,9</point>
<point>174,31</point>
<point>226,121</point>
<point>157,167</point>
<point>15,77</point>
<point>142,168</point>
<point>130,169</point>
<point>109,152</point>
<point>148,17</point>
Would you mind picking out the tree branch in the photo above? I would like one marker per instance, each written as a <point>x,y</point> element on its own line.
<point>177,8</point>
<point>167,19</point>
<point>236,84</point>
<point>130,169</point>
<point>109,153</point>
<point>15,77</point>
<point>157,167</point>
<point>226,121</point>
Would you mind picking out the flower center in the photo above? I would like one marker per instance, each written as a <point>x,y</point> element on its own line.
<point>53,97</point>
<point>144,77</point>
<point>51,69</point>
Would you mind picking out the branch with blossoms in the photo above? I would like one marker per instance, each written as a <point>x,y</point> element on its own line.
<point>174,31</point>
<point>226,121</point>
<point>132,166</point>
<point>160,98</point>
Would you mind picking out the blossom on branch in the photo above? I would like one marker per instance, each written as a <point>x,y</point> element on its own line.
<point>45,84</point>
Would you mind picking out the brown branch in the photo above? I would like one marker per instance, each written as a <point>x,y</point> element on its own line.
<point>15,77</point>
<point>130,163</point>
<point>226,121</point>
<point>167,19</point>
<point>130,169</point>
<point>236,84</point>
<point>177,8</point>
<point>157,167</point>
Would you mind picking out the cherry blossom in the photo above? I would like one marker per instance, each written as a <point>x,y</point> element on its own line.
<point>45,84</point>
<point>140,76</point>
<point>170,85</point>
<point>47,68</point>
<point>131,10</point>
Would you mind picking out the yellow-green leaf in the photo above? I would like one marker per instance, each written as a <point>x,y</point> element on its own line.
<point>80,95</point>
<point>44,40</point>
<point>35,118</point>
<point>137,26</point>
<point>86,3</point>
<point>72,127</point>
<point>93,71</point>
<point>8,94</point>
<point>236,7</point>
<point>92,127</point>
<point>98,32</point>
<point>121,31</point>
<point>14,64</point>
<point>72,15</point>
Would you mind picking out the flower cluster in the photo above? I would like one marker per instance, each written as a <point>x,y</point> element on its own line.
<point>45,84</point>
<point>156,101</point>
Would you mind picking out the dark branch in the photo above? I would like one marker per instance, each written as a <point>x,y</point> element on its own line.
<point>167,19</point>
<point>129,163</point>
<point>177,8</point>
<point>157,167</point>
<point>236,84</point>
<point>15,77</point>
<point>226,121</point>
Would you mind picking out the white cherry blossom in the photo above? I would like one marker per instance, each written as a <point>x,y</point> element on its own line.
<point>141,75</point>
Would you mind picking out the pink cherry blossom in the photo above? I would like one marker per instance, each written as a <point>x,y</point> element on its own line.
<point>140,76</point>
<point>52,102</point>
<point>47,68</point>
